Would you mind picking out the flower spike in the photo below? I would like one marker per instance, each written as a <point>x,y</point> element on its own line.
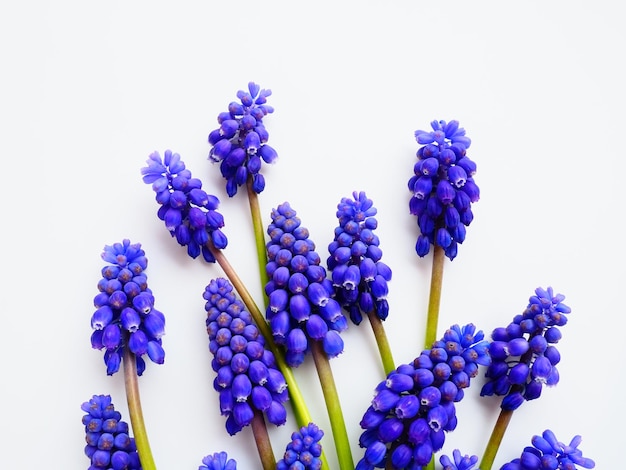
<point>443,187</point>
<point>218,461</point>
<point>125,315</point>
<point>304,450</point>
<point>190,213</point>
<point>239,144</point>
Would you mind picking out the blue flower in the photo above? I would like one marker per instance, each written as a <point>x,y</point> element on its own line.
<point>300,307</point>
<point>548,452</point>
<point>414,407</point>
<point>247,376</point>
<point>109,444</point>
<point>460,462</point>
<point>304,450</point>
<point>523,354</point>
<point>189,213</point>
<point>240,143</point>
<point>218,461</point>
<point>359,277</point>
<point>125,315</point>
<point>443,187</point>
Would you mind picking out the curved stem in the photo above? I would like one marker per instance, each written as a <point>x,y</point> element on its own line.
<point>262,439</point>
<point>495,439</point>
<point>331,397</point>
<point>134,408</point>
<point>383,343</point>
<point>259,235</point>
<point>434,300</point>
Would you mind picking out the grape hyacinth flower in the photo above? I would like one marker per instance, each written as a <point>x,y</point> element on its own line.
<point>125,315</point>
<point>240,143</point>
<point>460,462</point>
<point>189,213</point>
<point>218,461</point>
<point>414,407</point>
<point>300,307</point>
<point>443,187</point>
<point>523,354</point>
<point>109,445</point>
<point>304,450</point>
<point>248,379</point>
<point>359,277</point>
<point>547,452</point>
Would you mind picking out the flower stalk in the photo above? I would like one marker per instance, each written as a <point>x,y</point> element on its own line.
<point>436,281</point>
<point>136,414</point>
<point>495,439</point>
<point>259,234</point>
<point>382,342</point>
<point>335,413</point>
<point>263,443</point>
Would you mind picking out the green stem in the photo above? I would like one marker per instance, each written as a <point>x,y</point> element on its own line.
<point>434,300</point>
<point>263,444</point>
<point>495,439</point>
<point>298,403</point>
<point>259,234</point>
<point>134,408</point>
<point>383,343</point>
<point>331,397</point>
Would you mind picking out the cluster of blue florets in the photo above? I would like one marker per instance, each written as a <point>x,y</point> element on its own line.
<point>458,461</point>
<point>189,213</point>
<point>414,407</point>
<point>218,461</point>
<point>547,452</point>
<point>359,276</point>
<point>247,376</point>
<point>240,143</point>
<point>300,307</point>
<point>125,315</point>
<point>109,445</point>
<point>443,187</point>
<point>304,451</point>
<point>523,354</point>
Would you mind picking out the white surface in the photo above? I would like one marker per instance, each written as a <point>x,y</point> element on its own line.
<point>89,90</point>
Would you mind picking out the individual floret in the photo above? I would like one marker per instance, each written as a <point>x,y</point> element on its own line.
<point>125,315</point>
<point>247,379</point>
<point>189,213</point>
<point>414,407</point>
<point>300,308</point>
<point>443,187</point>
<point>359,276</point>
<point>109,445</point>
<point>524,357</point>
<point>304,451</point>
<point>240,142</point>
<point>218,461</point>
<point>547,452</point>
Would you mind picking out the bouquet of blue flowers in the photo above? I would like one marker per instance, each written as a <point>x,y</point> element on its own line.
<point>309,299</point>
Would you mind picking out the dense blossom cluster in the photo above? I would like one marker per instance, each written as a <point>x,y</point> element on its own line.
<point>109,445</point>
<point>189,213</point>
<point>414,407</point>
<point>218,461</point>
<point>125,315</point>
<point>458,461</point>
<point>300,307</point>
<point>304,450</point>
<point>524,357</point>
<point>443,187</point>
<point>240,143</point>
<point>247,377</point>
<point>358,275</point>
<point>547,452</point>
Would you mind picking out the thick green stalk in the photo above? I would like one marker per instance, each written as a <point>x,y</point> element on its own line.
<point>331,397</point>
<point>434,300</point>
<point>259,234</point>
<point>383,343</point>
<point>263,443</point>
<point>134,408</point>
<point>495,439</point>
<point>298,403</point>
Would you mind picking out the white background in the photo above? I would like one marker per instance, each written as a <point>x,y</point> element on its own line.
<point>90,89</point>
